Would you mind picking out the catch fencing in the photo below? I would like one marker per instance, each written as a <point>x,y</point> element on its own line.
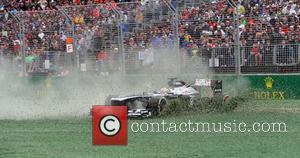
<point>96,31</point>
<point>148,35</point>
<point>10,42</point>
<point>156,37</point>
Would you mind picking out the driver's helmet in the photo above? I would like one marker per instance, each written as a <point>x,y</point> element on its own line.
<point>176,83</point>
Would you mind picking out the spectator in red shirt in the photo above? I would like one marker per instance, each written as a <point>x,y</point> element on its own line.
<point>101,61</point>
<point>256,53</point>
<point>102,55</point>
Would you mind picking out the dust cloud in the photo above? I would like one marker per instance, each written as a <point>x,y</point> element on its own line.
<point>74,95</point>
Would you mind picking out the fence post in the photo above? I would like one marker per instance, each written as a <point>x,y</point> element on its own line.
<point>176,35</point>
<point>70,21</point>
<point>237,37</point>
<point>23,46</point>
<point>298,52</point>
<point>237,42</point>
<point>120,39</point>
<point>121,45</point>
<point>22,39</point>
<point>177,45</point>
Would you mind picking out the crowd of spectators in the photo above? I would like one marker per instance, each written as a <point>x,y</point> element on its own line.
<point>38,5</point>
<point>263,24</point>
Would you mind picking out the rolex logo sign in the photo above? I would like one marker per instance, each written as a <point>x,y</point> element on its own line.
<point>269,82</point>
<point>269,92</point>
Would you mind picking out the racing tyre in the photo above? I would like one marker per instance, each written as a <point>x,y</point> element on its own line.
<point>155,106</point>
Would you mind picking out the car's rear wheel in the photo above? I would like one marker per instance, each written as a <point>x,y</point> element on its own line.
<point>162,104</point>
<point>156,105</point>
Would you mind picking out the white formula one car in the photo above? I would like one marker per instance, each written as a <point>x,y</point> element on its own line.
<point>149,104</point>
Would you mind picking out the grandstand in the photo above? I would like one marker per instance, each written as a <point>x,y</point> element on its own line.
<point>151,35</point>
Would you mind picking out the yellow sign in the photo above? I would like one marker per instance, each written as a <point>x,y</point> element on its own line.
<point>275,95</point>
<point>269,93</point>
<point>269,82</point>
